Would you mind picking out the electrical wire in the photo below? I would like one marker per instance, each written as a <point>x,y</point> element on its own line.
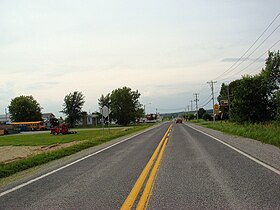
<point>253,61</point>
<point>207,103</point>
<point>209,97</point>
<point>230,68</point>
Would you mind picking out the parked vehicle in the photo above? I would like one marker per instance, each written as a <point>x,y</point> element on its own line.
<point>63,129</point>
<point>29,126</point>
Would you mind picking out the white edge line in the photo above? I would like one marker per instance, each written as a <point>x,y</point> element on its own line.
<point>72,163</point>
<point>239,151</point>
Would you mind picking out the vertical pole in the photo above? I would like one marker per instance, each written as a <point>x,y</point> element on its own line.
<point>191,105</point>
<point>196,100</point>
<point>109,121</point>
<point>213,98</point>
<point>6,114</point>
<point>102,124</point>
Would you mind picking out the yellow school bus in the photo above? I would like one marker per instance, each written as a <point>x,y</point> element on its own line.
<point>29,126</point>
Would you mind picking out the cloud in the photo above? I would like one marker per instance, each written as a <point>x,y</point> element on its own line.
<point>260,60</point>
<point>40,85</point>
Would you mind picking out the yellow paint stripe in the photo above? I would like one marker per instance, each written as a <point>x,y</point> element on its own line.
<point>129,201</point>
<point>148,188</point>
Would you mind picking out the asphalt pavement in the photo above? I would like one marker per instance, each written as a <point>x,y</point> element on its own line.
<point>195,172</point>
<point>198,172</point>
<point>101,181</point>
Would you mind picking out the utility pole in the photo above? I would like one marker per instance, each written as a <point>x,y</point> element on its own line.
<point>213,98</point>
<point>191,105</point>
<point>6,114</point>
<point>196,100</point>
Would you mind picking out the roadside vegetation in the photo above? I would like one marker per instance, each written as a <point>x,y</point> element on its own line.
<point>266,132</point>
<point>250,106</point>
<point>88,138</point>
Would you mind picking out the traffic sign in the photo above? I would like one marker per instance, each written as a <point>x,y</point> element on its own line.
<point>216,108</point>
<point>105,111</point>
<point>224,102</point>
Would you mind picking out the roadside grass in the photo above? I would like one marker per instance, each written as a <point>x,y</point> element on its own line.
<point>267,133</point>
<point>89,138</point>
<point>45,139</point>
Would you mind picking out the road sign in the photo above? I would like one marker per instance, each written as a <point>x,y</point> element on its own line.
<point>216,108</point>
<point>105,111</point>
<point>224,102</point>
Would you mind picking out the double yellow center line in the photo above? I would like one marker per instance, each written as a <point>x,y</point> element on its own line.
<point>154,161</point>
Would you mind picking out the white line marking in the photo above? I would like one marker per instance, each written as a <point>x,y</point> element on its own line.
<point>69,164</point>
<point>239,151</point>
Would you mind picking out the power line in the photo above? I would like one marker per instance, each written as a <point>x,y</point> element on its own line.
<point>253,61</point>
<point>209,97</point>
<point>254,50</point>
<point>256,69</point>
<point>207,103</point>
<point>229,69</point>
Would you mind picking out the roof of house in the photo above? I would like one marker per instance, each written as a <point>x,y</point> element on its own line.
<point>46,115</point>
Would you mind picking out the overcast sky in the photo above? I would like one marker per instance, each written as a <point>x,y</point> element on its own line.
<point>168,50</point>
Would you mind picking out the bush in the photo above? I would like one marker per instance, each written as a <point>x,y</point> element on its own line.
<point>206,116</point>
<point>190,116</point>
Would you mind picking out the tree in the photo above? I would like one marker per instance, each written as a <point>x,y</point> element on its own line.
<point>276,105</point>
<point>125,105</point>
<point>73,104</point>
<point>104,101</point>
<point>271,77</point>
<point>191,116</point>
<point>207,116</point>
<point>25,109</point>
<point>201,111</point>
<point>54,121</point>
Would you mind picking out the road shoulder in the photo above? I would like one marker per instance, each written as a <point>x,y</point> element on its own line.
<point>266,153</point>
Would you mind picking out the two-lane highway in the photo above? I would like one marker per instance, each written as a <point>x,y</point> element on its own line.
<point>192,171</point>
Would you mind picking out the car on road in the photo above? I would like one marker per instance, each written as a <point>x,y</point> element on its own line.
<point>179,121</point>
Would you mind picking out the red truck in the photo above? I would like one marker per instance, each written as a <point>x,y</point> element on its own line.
<point>63,129</point>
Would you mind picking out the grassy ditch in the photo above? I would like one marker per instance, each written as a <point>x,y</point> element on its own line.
<point>267,133</point>
<point>89,138</point>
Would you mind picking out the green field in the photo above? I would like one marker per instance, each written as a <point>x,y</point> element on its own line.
<point>48,139</point>
<point>267,133</point>
<point>88,138</point>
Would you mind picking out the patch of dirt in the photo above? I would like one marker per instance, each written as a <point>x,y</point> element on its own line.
<point>12,153</point>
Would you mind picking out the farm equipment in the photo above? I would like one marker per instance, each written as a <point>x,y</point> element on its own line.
<point>63,129</point>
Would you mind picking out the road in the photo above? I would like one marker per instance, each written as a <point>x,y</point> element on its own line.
<point>194,172</point>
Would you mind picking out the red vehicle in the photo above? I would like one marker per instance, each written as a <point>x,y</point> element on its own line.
<point>63,129</point>
<point>179,120</point>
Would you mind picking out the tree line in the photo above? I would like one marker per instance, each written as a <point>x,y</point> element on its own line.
<point>123,103</point>
<point>255,98</point>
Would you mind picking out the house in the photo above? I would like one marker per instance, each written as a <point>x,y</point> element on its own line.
<point>46,118</point>
<point>5,119</point>
<point>89,119</point>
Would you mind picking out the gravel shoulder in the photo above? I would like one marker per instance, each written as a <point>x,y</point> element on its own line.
<point>266,153</point>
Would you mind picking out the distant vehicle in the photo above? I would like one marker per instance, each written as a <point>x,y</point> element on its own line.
<point>29,126</point>
<point>179,121</point>
<point>63,129</point>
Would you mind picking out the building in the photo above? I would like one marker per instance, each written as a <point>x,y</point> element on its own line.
<point>89,119</point>
<point>46,118</point>
<point>5,119</point>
